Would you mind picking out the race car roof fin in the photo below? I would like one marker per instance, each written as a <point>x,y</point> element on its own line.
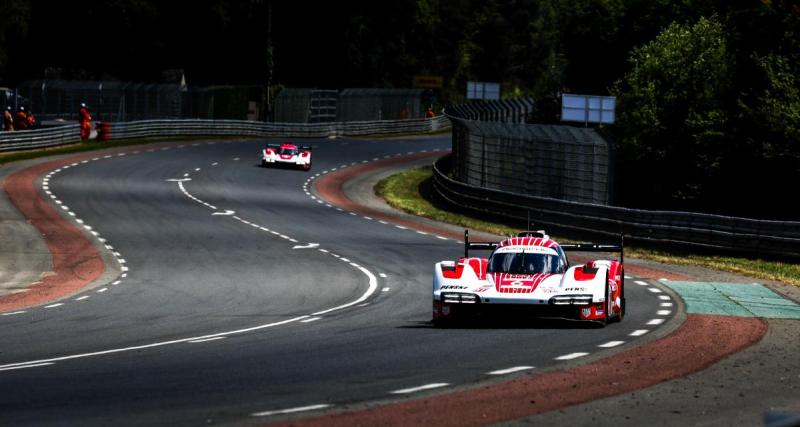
<point>537,233</point>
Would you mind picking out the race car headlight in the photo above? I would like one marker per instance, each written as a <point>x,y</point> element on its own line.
<point>459,298</point>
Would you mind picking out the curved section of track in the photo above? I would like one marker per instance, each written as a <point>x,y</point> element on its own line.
<point>245,296</point>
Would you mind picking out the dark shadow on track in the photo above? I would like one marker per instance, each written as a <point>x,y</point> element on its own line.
<point>506,323</point>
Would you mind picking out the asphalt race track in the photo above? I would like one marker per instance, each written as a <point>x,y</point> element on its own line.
<point>240,295</point>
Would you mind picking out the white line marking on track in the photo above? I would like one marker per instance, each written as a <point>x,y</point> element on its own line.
<point>638,332</point>
<point>386,289</point>
<point>154,345</point>
<point>36,365</point>
<point>13,313</point>
<point>664,297</point>
<point>510,370</point>
<point>663,312</point>
<point>420,388</point>
<point>207,340</point>
<point>666,304</point>
<point>383,275</point>
<point>655,322</point>
<point>311,319</point>
<point>611,344</point>
<point>641,283</point>
<point>308,246</point>
<point>58,304</point>
<point>82,298</point>
<point>291,410</point>
<point>373,285</point>
<point>102,290</point>
<point>571,356</point>
<point>654,290</point>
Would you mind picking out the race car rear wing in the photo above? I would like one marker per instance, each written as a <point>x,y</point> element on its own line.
<point>299,147</point>
<point>486,246</point>
<point>594,247</point>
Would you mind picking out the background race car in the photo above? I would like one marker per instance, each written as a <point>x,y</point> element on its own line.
<point>530,275</point>
<point>286,155</point>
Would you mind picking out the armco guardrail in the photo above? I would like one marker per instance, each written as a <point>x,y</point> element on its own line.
<point>38,138</point>
<point>675,228</point>
<point>68,134</point>
<point>167,128</point>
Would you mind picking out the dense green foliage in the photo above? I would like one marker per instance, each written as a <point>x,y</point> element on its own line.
<point>709,95</point>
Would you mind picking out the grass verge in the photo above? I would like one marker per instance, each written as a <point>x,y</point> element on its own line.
<point>402,191</point>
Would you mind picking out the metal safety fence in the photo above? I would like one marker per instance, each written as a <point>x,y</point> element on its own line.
<point>740,235</point>
<point>561,162</point>
<point>66,134</point>
<point>127,101</point>
<point>40,138</point>
<point>168,128</point>
<point>507,110</point>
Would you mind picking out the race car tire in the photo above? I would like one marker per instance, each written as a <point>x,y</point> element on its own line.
<point>307,167</point>
<point>607,310</point>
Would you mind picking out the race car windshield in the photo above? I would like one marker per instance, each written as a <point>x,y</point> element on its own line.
<point>524,263</point>
<point>289,151</point>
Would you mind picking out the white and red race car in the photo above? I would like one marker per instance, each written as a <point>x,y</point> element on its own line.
<point>530,274</point>
<point>287,154</point>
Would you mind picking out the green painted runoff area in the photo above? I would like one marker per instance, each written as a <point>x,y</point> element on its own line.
<point>734,299</point>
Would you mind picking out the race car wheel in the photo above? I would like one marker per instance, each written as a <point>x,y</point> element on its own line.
<point>307,166</point>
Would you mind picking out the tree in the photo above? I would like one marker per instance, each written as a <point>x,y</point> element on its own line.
<point>672,115</point>
<point>14,21</point>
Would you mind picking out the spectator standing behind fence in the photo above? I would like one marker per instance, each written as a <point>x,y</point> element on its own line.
<point>31,120</point>
<point>21,119</point>
<point>430,114</point>
<point>86,121</point>
<point>8,120</point>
